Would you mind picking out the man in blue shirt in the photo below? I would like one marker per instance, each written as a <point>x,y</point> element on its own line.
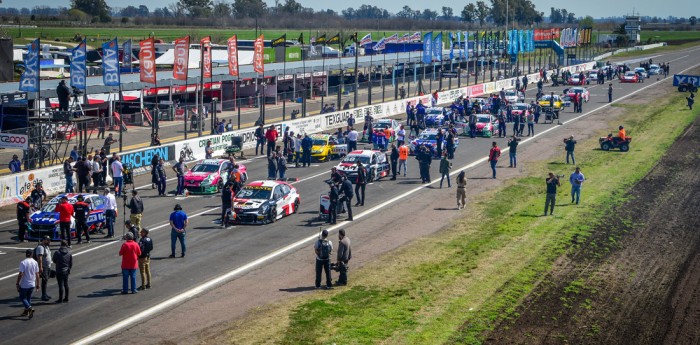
<point>74,154</point>
<point>306,145</point>
<point>15,164</point>
<point>178,224</point>
<point>576,179</point>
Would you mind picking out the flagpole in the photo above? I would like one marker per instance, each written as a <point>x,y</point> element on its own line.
<point>403,81</point>
<point>284,73</point>
<point>323,70</point>
<point>341,80</point>
<point>357,54</point>
<point>201,89</point>
<point>303,78</point>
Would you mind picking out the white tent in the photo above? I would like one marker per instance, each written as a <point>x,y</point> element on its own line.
<point>245,57</point>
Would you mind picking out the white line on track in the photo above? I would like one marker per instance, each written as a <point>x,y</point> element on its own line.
<point>176,300</point>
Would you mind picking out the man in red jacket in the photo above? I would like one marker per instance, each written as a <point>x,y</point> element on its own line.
<point>65,212</point>
<point>271,136</point>
<point>494,154</point>
<point>130,253</point>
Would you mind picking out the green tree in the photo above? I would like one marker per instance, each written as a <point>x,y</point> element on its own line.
<point>469,13</point>
<point>429,14</point>
<point>482,12</point>
<point>249,8</point>
<point>693,20</point>
<point>447,13</point>
<point>586,22</point>
<point>406,12</point>
<point>94,8</point>
<point>222,9</point>
<point>196,8</point>
<point>292,7</point>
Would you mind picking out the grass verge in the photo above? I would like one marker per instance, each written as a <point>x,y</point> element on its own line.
<point>454,286</point>
<point>664,49</point>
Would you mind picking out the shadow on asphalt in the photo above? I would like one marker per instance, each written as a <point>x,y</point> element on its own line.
<point>103,276</point>
<point>299,289</point>
<point>445,209</point>
<point>103,293</point>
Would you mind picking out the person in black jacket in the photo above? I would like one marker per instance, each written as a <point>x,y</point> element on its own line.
<point>346,188</point>
<point>63,94</point>
<point>394,158</point>
<point>63,261</point>
<point>154,176</point>
<point>81,210</point>
<point>146,245</point>
<point>226,201</point>
<point>360,183</point>
<point>260,137</point>
<point>333,196</point>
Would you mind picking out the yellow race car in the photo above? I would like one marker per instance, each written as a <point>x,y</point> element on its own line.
<point>326,147</point>
<point>556,104</point>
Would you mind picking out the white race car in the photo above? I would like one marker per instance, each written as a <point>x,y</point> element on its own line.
<point>374,161</point>
<point>262,202</point>
<point>513,97</point>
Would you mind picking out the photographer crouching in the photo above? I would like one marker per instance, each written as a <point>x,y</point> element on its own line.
<point>136,209</point>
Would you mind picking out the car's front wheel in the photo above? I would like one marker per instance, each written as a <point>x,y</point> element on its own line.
<point>273,214</point>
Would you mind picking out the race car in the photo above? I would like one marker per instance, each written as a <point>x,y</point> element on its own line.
<point>383,124</point>
<point>582,91</point>
<point>484,125</point>
<point>45,221</point>
<point>654,70</point>
<point>262,202</point>
<point>374,161</point>
<point>641,72</point>
<point>210,175</point>
<point>428,138</point>
<point>629,77</point>
<point>575,80</point>
<point>555,103</point>
<point>326,146</point>
<point>437,116</point>
<point>518,109</point>
<point>514,97</point>
<point>593,75</point>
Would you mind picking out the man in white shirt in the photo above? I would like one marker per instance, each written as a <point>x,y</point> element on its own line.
<point>95,171</point>
<point>110,212</point>
<point>352,140</point>
<point>26,281</point>
<point>297,150</point>
<point>117,175</point>
<point>401,135</point>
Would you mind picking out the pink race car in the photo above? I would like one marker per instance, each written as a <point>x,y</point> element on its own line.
<point>210,175</point>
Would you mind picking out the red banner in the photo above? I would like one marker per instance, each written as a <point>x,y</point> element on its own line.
<point>205,45</point>
<point>147,57</point>
<point>182,58</point>
<point>233,56</point>
<point>258,59</point>
<point>543,34</point>
<point>556,33</point>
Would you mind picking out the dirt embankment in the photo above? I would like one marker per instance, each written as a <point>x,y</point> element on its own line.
<point>636,279</point>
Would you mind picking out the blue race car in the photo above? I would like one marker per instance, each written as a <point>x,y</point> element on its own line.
<point>428,138</point>
<point>45,221</point>
<point>437,116</point>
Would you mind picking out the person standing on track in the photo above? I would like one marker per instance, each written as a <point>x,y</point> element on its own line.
<point>513,152</point>
<point>306,144</point>
<point>333,197</point>
<point>27,282</point>
<point>161,178</point>
<point>130,253</point>
<point>343,257</point>
<point>576,179</point>
<point>403,158</point>
<point>65,212</point>
<point>136,209</point>
<point>394,158</point>
<point>63,260</point>
<point>42,254</point>
<point>272,166</point>
<point>494,154</point>
<point>445,167</point>
<point>346,189</point>
<point>146,246</point>
<point>179,169</point>
<point>610,91</point>
<point>81,211</point>
<point>24,211</point>
<point>323,249</point>
<point>271,137</point>
<point>226,202</point>
<point>110,212</point>
<point>352,139</point>
<point>260,137</point>
<point>117,175</point>
<point>552,184</point>
<point>360,184</point>
<point>178,225</point>
<point>461,190</point>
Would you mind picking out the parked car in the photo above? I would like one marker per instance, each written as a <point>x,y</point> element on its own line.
<point>45,221</point>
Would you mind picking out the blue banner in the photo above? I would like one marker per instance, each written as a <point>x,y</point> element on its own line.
<point>29,81</point>
<point>78,66</point>
<point>428,48</point>
<point>452,46</point>
<point>459,44</point>
<point>437,47</point>
<point>110,63</point>
<point>127,53</point>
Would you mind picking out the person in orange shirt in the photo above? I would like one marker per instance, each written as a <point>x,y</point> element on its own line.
<point>387,133</point>
<point>403,158</point>
<point>621,134</point>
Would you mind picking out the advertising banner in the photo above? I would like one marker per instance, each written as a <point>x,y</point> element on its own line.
<point>428,48</point>
<point>14,141</point>
<point>205,44</point>
<point>147,57</point>
<point>29,81</point>
<point>182,58</point>
<point>258,64</point>
<point>110,63</point>
<point>78,66</point>
<point>233,56</point>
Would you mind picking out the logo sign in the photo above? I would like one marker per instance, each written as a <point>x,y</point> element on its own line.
<point>205,45</point>
<point>691,79</point>
<point>147,56</point>
<point>428,48</point>
<point>110,63</point>
<point>30,77</point>
<point>78,66</point>
<point>258,64</point>
<point>437,47</point>
<point>126,51</point>
<point>182,58</point>
<point>233,56</point>
<point>14,141</point>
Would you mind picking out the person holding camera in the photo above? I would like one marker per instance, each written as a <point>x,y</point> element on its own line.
<point>146,246</point>
<point>323,249</point>
<point>136,208</point>
<point>552,184</point>
<point>570,146</point>
<point>131,229</point>
<point>343,257</point>
<point>63,93</point>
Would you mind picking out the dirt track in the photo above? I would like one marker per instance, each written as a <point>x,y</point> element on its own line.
<point>636,279</point>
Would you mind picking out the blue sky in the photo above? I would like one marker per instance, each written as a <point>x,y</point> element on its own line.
<point>595,8</point>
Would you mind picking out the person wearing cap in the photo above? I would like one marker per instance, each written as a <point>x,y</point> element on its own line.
<point>26,281</point>
<point>81,211</point>
<point>135,209</point>
<point>130,253</point>
<point>178,224</point>
<point>110,212</point>
<point>15,165</point>
<point>576,179</point>
<point>323,249</point>
<point>343,257</point>
<point>24,211</point>
<point>130,228</point>
<point>146,246</point>
<point>570,145</point>
<point>63,259</point>
<point>226,202</point>
<point>65,212</point>
<point>42,253</point>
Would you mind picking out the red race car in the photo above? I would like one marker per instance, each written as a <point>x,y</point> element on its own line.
<point>629,77</point>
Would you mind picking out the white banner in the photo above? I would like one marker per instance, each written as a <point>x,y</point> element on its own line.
<point>14,141</point>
